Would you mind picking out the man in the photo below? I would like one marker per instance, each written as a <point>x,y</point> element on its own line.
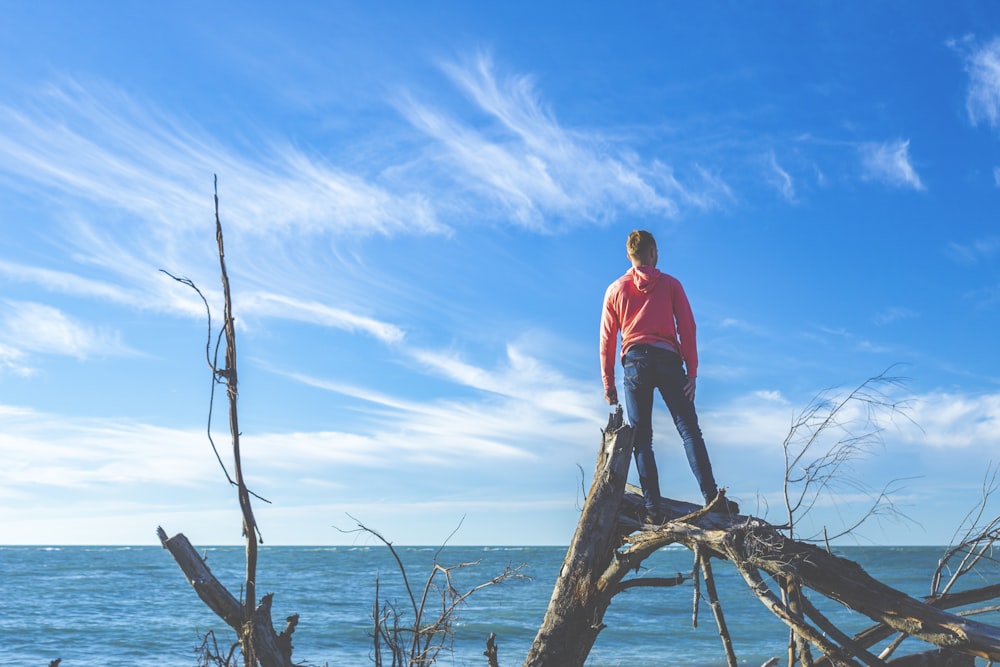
<point>651,311</point>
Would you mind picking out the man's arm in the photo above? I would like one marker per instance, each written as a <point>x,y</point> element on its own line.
<point>608,348</point>
<point>686,332</point>
<point>689,388</point>
<point>611,396</point>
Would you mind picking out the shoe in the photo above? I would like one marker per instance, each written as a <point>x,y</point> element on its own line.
<point>728,506</point>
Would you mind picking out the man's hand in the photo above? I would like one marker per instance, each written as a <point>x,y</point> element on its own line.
<point>611,396</point>
<point>689,388</point>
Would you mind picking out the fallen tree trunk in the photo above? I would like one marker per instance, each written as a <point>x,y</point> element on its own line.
<point>610,541</point>
<point>270,649</point>
<point>583,591</point>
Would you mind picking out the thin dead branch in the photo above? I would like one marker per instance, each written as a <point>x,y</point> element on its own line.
<point>259,643</point>
<point>420,642</point>
<point>823,442</point>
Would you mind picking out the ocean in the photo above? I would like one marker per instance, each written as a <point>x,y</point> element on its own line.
<point>108,606</point>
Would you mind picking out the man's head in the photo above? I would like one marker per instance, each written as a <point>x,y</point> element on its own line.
<point>641,248</point>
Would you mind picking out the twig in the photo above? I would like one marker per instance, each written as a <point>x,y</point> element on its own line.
<point>720,618</point>
<point>696,575</point>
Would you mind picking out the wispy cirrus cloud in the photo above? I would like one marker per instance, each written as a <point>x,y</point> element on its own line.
<point>778,178</point>
<point>65,282</point>
<point>97,143</point>
<point>12,360</point>
<point>433,431</point>
<point>513,407</point>
<point>536,168</point>
<point>982,100</point>
<point>59,451</point>
<point>520,376</point>
<point>890,163</point>
<point>136,187</point>
<point>895,314</point>
<point>973,252</point>
<point>39,328</point>
<point>290,308</point>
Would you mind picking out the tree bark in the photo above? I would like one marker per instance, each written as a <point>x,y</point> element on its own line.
<point>581,594</point>
<point>270,649</point>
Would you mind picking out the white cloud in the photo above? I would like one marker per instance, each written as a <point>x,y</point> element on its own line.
<point>35,327</point>
<point>932,420</point>
<point>889,163</point>
<point>65,282</point>
<point>947,420</point>
<point>982,100</point>
<point>288,308</point>
<point>98,143</point>
<point>894,314</point>
<point>522,377</point>
<point>58,451</point>
<point>520,410</point>
<point>538,169</point>
<point>509,421</point>
<point>779,178</point>
<point>743,326</point>
<point>12,360</point>
<point>759,420</point>
<point>972,253</point>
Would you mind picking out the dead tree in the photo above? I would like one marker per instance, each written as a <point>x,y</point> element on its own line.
<point>258,641</point>
<point>781,572</point>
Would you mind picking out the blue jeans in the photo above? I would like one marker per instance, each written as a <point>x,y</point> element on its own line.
<point>647,368</point>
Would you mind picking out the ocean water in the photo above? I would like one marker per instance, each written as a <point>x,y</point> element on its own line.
<point>109,606</point>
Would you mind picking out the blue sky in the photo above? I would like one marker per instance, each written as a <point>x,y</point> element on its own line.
<point>423,204</point>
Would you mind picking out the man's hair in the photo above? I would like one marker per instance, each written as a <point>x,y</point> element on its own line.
<point>639,242</point>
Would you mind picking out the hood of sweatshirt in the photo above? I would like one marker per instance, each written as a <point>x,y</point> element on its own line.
<point>645,277</point>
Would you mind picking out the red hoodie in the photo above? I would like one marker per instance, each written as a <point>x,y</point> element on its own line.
<point>646,306</point>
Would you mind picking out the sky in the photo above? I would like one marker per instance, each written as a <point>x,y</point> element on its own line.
<point>422,205</point>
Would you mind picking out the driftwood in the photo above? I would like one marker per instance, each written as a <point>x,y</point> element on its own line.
<point>271,649</point>
<point>610,541</point>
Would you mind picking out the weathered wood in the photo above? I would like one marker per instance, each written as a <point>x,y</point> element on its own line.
<point>716,605</point>
<point>208,588</point>
<point>243,493</point>
<point>755,545</point>
<point>581,595</point>
<point>491,651</point>
<point>877,633</point>
<point>935,658</point>
<point>269,648</point>
<point>603,550</point>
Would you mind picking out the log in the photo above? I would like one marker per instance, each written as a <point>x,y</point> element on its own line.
<point>211,591</point>
<point>270,649</point>
<point>756,545</point>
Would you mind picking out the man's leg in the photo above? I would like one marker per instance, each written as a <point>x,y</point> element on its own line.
<point>686,419</point>
<point>639,403</point>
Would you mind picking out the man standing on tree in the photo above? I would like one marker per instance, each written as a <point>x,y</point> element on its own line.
<point>652,312</point>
